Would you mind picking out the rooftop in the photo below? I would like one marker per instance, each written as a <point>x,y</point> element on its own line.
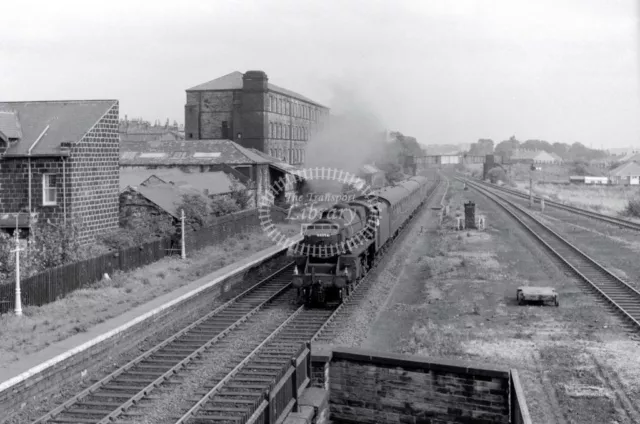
<point>276,162</point>
<point>167,197</point>
<point>50,123</point>
<point>187,152</point>
<point>233,81</point>
<point>626,169</point>
<point>213,182</point>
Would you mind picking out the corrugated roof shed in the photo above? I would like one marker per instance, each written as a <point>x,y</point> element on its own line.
<point>233,81</point>
<point>187,152</point>
<point>167,197</point>
<point>67,121</point>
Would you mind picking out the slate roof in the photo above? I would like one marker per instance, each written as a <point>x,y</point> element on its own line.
<point>233,81</point>
<point>9,124</point>
<point>632,158</point>
<point>276,162</point>
<point>167,197</point>
<point>556,157</point>
<point>214,182</point>
<point>626,169</point>
<point>68,121</point>
<point>187,152</point>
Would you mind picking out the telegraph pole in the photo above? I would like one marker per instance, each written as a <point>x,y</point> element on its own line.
<point>531,186</point>
<point>18,302</point>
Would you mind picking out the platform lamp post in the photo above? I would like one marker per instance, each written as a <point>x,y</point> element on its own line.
<point>18,302</point>
<point>183,253</point>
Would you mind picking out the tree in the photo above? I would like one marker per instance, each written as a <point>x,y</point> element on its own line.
<point>507,147</point>
<point>197,210</point>
<point>239,194</point>
<point>484,146</point>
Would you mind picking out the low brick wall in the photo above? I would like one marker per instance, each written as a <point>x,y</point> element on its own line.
<point>83,364</point>
<point>369,387</point>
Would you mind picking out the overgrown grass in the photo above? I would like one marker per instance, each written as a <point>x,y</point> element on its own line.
<point>41,326</point>
<point>610,200</point>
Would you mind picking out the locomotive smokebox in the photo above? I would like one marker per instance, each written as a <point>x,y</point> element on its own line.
<point>470,215</point>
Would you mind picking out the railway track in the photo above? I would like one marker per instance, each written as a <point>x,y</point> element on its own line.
<point>239,397</point>
<point>335,324</point>
<point>595,215</point>
<point>113,395</point>
<point>620,295</point>
<point>238,390</point>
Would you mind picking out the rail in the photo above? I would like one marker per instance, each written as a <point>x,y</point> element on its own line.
<point>126,372</point>
<point>344,304</point>
<point>603,282</point>
<point>580,211</point>
<point>280,397</point>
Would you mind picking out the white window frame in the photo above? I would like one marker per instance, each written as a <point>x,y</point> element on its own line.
<point>45,188</point>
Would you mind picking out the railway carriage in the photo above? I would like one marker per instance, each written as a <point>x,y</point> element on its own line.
<point>339,248</point>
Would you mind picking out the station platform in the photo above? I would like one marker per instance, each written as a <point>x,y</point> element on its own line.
<point>37,362</point>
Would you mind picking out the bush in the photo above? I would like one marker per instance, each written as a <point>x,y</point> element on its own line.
<point>497,174</point>
<point>633,208</point>
<point>48,246</point>
<point>239,194</point>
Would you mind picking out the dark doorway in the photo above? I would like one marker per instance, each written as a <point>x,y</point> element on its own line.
<point>225,130</point>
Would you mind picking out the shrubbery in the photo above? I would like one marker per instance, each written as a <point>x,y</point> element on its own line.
<point>48,246</point>
<point>497,174</point>
<point>633,208</point>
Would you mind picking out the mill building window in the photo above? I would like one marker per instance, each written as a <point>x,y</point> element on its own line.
<point>49,189</point>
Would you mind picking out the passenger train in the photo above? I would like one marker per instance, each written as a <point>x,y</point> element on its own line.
<point>344,243</point>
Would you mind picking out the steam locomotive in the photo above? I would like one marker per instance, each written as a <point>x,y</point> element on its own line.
<point>344,243</point>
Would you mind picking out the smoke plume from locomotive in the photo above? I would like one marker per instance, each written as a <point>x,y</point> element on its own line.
<point>353,138</point>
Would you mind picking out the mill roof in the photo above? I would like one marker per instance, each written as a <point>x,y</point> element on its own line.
<point>233,81</point>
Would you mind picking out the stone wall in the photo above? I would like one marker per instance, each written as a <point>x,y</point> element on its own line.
<point>14,182</point>
<point>94,174</point>
<point>368,387</point>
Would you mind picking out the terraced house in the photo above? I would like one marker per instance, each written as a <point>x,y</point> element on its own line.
<point>59,161</point>
<point>249,110</point>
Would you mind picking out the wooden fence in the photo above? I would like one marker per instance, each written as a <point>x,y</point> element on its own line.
<point>58,282</point>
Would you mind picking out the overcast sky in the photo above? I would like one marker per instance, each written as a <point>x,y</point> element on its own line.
<point>442,71</point>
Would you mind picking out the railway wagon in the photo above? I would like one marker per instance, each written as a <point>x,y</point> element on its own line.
<point>344,243</point>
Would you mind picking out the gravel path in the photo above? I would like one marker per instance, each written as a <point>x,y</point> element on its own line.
<point>360,323</point>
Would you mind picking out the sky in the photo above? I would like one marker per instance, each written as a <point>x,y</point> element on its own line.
<point>441,71</point>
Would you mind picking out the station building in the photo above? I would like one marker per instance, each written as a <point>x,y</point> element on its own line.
<point>256,114</point>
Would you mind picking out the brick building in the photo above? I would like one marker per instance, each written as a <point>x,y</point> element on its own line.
<point>58,161</point>
<point>255,113</point>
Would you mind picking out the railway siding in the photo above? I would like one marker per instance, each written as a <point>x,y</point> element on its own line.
<point>614,290</point>
<point>79,363</point>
